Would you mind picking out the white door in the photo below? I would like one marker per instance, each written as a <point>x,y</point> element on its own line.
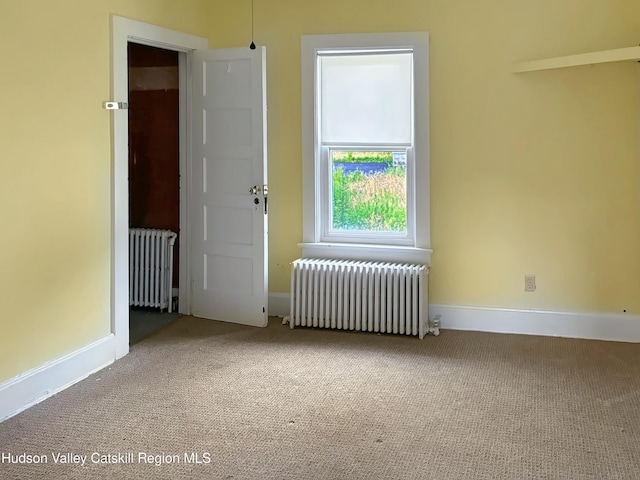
<point>229,175</point>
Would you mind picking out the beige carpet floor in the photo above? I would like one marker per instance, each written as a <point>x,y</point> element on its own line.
<point>318,404</point>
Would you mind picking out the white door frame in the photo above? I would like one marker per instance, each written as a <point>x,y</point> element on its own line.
<point>124,30</point>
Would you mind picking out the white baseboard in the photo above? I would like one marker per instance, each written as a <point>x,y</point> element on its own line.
<point>279,304</point>
<point>36,385</point>
<point>40,383</point>
<point>596,326</point>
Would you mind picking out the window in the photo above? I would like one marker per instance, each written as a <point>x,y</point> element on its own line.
<point>365,144</point>
<point>367,193</point>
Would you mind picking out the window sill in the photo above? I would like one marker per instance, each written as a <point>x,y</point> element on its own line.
<point>380,253</point>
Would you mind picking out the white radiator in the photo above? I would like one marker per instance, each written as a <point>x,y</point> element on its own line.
<point>151,267</point>
<point>367,296</point>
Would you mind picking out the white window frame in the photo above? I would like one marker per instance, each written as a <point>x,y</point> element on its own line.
<point>317,242</point>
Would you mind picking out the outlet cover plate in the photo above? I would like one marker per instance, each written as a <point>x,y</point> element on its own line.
<point>529,283</point>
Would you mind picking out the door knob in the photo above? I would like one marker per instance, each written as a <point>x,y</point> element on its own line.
<point>254,190</point>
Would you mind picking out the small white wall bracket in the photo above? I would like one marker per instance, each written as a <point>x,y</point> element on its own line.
<point>115,105</point>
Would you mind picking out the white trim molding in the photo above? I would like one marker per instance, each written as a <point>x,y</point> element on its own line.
<point>313,230</point>
<point>124,30</point>
<point>616,327</point>
<point>374,253</point>
<point>40,383</point>
<point>279,304</point>
<point>596,326</point>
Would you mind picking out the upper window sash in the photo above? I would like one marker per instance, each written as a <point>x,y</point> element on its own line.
<point>346,83</point>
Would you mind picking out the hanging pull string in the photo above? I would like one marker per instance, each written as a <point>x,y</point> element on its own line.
<point>253,45</point>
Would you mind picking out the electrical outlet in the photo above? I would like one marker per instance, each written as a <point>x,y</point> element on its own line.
<point>529,283</point>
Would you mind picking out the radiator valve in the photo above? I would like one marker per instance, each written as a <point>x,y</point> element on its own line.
<point>434,326</point>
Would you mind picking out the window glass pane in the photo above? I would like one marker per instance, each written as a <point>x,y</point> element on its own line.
<point>368,191</point>
<point>366,98</point>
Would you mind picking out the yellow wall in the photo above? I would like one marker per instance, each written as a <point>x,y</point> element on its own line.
<point>56,163</point>
<point>530,173</point>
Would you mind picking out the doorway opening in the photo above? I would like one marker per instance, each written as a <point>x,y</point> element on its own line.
<point>124,31</point>
<point>154,184</point>
<point>246,95</point>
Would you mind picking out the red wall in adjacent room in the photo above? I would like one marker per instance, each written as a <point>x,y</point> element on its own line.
<point>154,196</point>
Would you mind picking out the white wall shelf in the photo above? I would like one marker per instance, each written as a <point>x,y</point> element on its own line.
<point>616,55</point>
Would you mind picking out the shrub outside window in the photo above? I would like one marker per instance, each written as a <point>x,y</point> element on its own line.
<point>368,191</point>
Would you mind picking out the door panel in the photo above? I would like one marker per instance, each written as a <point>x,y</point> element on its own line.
<point>229,238</point>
